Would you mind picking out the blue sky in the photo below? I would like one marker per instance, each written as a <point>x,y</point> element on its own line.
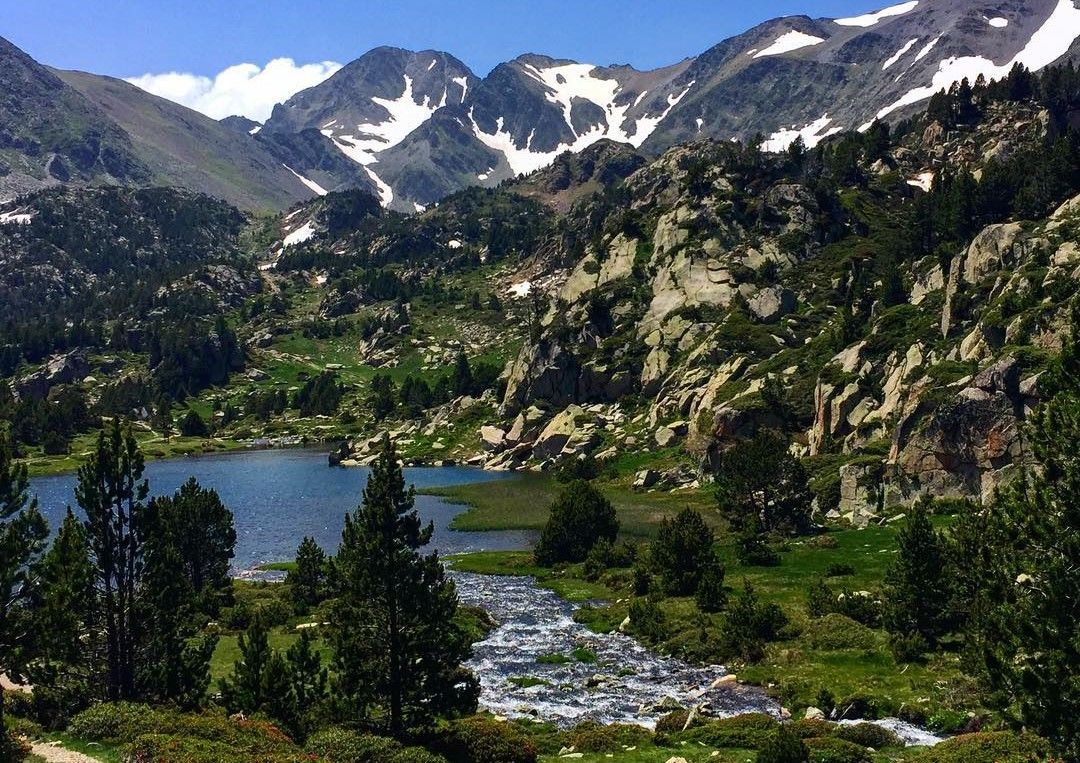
<point>201,39</point>
<point>132,37</point>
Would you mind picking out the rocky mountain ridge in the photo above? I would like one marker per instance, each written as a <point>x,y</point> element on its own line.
<point>422,125</point>
<point>715,292</point>
<point>413,127</point>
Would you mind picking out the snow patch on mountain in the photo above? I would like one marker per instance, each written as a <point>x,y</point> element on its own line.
<point>563,85</point>
<point>998,23</point>
<point>1050,42</point>
<point>899,54</point>
<point>300,235</point>
<point>405,115</point>
<point>928,47</point>
<point>16,218</point>
<point>789,41</point>
<point>464,82</point>
<point>386,193</point>
<point>871,19</point>
<point>306,181</point>
<point>812,134</point>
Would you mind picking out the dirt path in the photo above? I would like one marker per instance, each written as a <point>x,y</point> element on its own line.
<point>54,753</point>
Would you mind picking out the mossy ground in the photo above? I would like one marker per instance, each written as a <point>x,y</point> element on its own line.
<point>849,661</point>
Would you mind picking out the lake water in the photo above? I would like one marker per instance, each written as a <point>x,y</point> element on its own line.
<point>279,496</point>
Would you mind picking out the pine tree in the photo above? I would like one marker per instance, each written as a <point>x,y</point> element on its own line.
<point>22,539</point>
<point>462,380</point>
<point>397,648</point>
<point>711,596</point>
<point>243,690</point>
<point>580,518</point>
<point>760,482</point>
<point>65,609</point>
<point>307,582</point>
<point>174,655</point>
<point>1024,640</point>
<point>918,592</point>
<point>112,494</point>
<point>682,551</point>
<point>200,528</point>
<point>308,685</point>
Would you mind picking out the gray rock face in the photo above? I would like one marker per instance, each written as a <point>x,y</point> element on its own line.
<point>970,445</point>
<point>772,303</point>
<point>60,369</point>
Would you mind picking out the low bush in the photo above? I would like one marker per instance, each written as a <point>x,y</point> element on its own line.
<point>834,631</point>
<point>12,748</point>
<point>22,727</point>
<point>908,647</point>
<point>593,737</point>
<point>749,731</point>
<point>123,723</point>
<point>868,735</point>
<point>987,747</point>
<point>18,703</point>
<point>673,722</point>
<point>113,722</point>
<point>784,747</point>
<point>946,721</point>
<point>165,748</point>
<point>337,745</point>
<point>833,750</point>
<point>839,569</point>
<point>481,739</point>
<point>808,728</point>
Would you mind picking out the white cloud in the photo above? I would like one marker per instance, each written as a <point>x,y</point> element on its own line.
<point>243,89</point>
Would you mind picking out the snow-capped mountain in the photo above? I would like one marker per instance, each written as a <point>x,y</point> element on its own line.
<point>422,125</point>
<point>412,127</point>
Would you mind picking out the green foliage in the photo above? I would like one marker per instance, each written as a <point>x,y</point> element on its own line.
<point>308,580</point>
<point>192,425</point>
<point>481,739</point>
<point>591,737</point>
<point>918,593</point>
<point>398,647</point>
<point>338,745</point>
<point>987,747</point>
<point>868,735</point>
<point>199,527</point>
<point>22,539</point>
<point>320,396</point>
<point>762,487</point>
<point>836,631</point>
<point>112,722</point>
<point>112,494</point>
<point>751,731</point>
<point>580,518</point>
<point>834,750</point>
<point>711,596</point>
<point>647,620</point>
<point>784,747</point>
<point>1023,641</point>
<point>749,624</point>
<point>683,549</point>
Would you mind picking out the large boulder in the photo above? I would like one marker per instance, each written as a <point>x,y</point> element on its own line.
<point>548,372</point>
<point>969,445</point>
<point>772,303</point>
<point>69,368</point>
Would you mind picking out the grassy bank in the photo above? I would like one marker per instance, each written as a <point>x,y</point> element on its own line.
<point>522,503</point>
<point>153,448</point>
<point>833,654</point>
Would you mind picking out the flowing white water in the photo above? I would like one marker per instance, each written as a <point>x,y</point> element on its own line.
<point>627,684</point>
